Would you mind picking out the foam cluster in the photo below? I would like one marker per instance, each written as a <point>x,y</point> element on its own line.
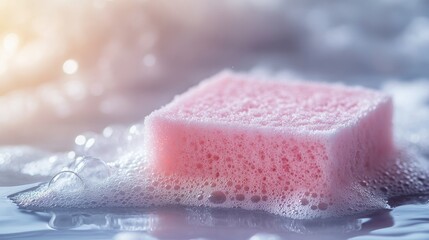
<point>189,153</point>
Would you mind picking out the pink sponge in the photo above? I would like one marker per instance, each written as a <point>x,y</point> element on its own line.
<point>269,138</point>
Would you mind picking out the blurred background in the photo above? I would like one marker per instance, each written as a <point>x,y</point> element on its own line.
<point>68,67</point>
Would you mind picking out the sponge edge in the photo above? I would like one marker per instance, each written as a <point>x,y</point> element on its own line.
<point>273,140</point>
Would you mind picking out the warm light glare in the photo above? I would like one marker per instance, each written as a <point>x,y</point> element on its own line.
<point>10,42</point>
<point>70,66</point>
<point>3,67</point>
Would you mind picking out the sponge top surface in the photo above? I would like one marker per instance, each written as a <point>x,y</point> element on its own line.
<point>238,100</point>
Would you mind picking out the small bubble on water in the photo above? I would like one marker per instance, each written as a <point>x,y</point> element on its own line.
<point>217,197</point>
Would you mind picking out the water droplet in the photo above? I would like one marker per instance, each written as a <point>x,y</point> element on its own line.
<point>65,221</point>
<point>67,181</point>
<point>217,197</point>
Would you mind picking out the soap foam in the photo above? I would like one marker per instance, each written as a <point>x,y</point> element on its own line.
<point>131,183</point>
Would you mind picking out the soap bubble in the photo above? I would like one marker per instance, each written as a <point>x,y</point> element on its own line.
<point>92,170</point>
<point>66,181</point>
